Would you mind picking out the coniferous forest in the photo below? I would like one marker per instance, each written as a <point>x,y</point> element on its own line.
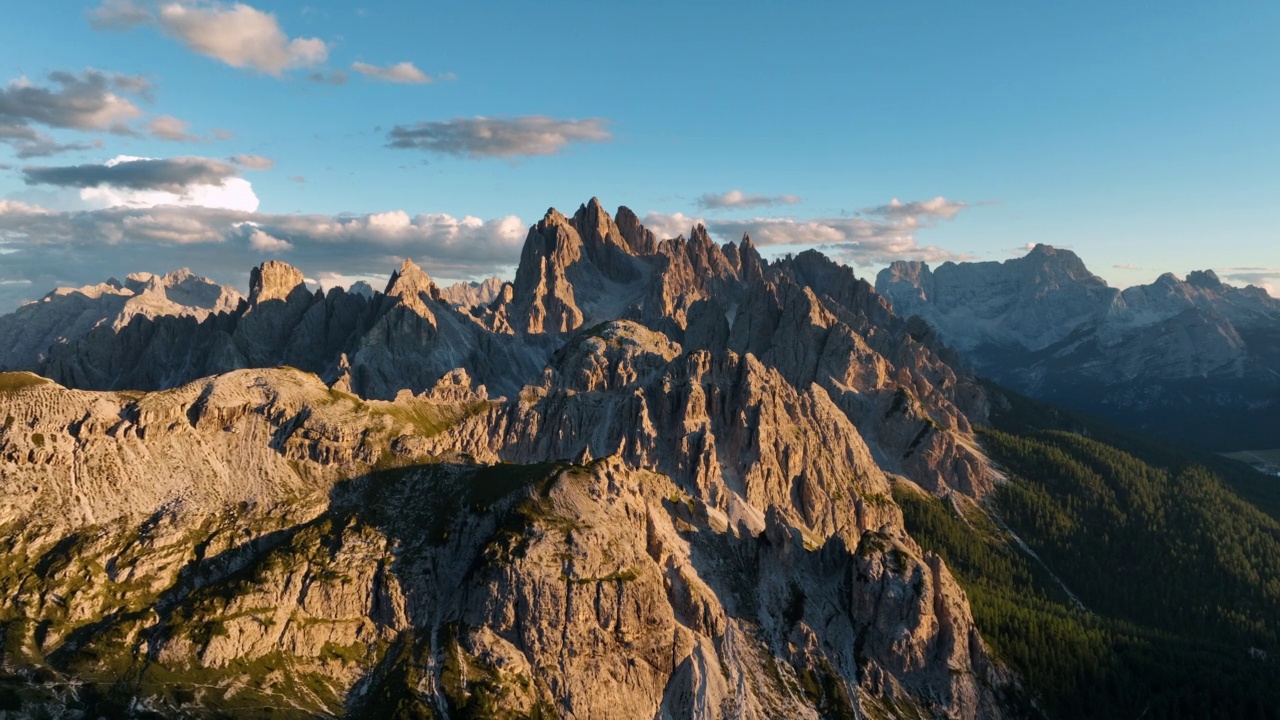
<point>1119,578</point>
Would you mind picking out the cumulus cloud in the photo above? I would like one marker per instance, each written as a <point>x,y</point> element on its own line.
<point>739,199</point>
<point>174,175</point>
<point>886,236</point>
<point>254,162</point>
<point>50,248</point>
<point>666,226</point>
<point>1126,266</point>
<point>265,242</point>
<point>403,72</point>
<point>168,127</point>
<point>481,137</point>
<point>235,33</point>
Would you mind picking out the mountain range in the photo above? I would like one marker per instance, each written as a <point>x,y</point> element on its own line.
<point>1190,359</point>
<point>649,477</point>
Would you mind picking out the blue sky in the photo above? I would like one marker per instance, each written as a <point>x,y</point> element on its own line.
<point>1144,136</point>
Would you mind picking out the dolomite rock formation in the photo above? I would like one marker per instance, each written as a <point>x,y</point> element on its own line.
<point>259,540</point>
<point>651,474</point>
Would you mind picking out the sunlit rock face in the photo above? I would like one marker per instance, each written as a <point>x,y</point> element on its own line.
<point>650,476</point>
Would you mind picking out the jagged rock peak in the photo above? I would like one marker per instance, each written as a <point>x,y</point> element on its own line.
<point>1205,280</point>
<point>273,280</point>
<point>700,235</point>
<point>411,286</point>
<point>640,239</point>
<point>410,279</point>
<point>749,258</point>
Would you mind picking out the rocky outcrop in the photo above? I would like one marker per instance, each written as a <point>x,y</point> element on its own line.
<point>258,539</point>
<point>473,294</point>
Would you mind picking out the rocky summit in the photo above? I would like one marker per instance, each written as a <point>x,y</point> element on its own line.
<point>649,478</point>
<point>1192,358</point>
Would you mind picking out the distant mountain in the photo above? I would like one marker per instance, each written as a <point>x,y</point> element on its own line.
<point>65,315</point>
<point>1193,359</point>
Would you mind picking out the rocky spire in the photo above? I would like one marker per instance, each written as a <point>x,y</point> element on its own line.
<point>273,280</point>
<point>542,293</point>
<point>752,264</point>
<point>640,239</point>
<point>1205,280</point>
<point>604,243</point>
<point>411,285</point>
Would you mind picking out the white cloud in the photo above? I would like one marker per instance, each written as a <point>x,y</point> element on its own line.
<point>739,199</point>
<point>264,242</point>
<point>666,226</point>
<point>403,72</point>
<point>232,194</point>
<point>235,33</point>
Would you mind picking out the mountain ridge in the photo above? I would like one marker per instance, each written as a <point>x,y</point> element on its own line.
<point>1045,326</point>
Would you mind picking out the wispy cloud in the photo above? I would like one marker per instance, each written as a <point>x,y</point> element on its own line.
<point>173,175</point>
<point>234,33</point>
<point>253,162</point>
<point>336,77</point>
<point>739,199</point>
<point>917,210</point>
<point>402,72</point>
<point>1267,278</point>
<point>481,137</point>
<point>170,128</point>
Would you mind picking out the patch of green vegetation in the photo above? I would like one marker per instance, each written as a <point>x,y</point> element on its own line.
<point>476,691</point>
<point>872,543</point>
<point>827,692</point>
<point>12,382</point>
